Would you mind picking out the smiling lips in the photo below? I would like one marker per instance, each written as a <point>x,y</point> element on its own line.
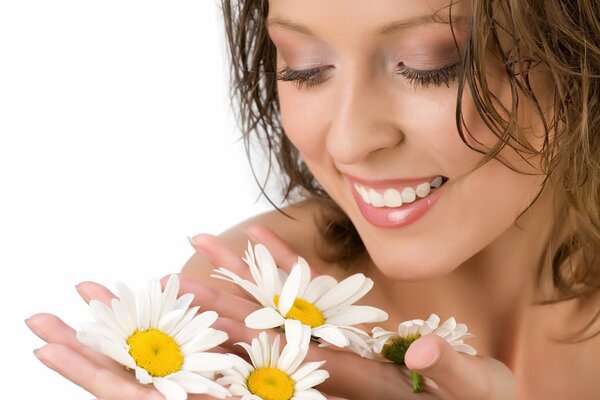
<point>394,197</point>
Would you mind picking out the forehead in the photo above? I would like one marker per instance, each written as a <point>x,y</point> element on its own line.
<point>364,17</point>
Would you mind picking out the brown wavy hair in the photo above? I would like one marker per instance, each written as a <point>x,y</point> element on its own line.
<point>560,36</point>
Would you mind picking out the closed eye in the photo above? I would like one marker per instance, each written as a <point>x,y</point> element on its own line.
<point>306,78</point>
<point>443,75</point>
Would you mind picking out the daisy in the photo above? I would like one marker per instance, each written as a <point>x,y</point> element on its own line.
<point>323,303</point>
<point>393,345</point>
<point>275,376</point>
<point>158,336</point>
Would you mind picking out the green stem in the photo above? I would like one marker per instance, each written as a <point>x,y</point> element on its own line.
<point>416,382</point>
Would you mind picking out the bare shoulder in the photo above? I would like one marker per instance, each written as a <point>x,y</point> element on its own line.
<point>563,351</point>
<point>295,225</point>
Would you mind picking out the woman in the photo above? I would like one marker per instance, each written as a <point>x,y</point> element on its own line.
<point>447,149</point>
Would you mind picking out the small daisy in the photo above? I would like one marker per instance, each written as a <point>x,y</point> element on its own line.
<point>393,345</point>
<point>160,338</point>
<point>275,376</point>
<point>323,303</point>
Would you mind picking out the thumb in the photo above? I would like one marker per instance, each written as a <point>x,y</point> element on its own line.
<point>457,375</point>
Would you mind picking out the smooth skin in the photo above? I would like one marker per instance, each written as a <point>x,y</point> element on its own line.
<point>465,258</point>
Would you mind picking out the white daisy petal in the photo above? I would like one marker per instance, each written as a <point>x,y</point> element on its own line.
<point>184,302</point>
<point>240,365</point>
<point>142,375</point>
<point>304,276</point>
<point>250,259</point>
<point>313,379</point>
<point>265,348</point>
<point>198,323</point>
<point>169,320</point>
<point>381,340</point>
<point>194,383</point>
<point>188,316</point>
<point>308,394</point>
<point>144,310</point>
<point>290,290</point>
<point>377,332</point>
<point>104,315</point>
<point>248,347</point>
<point>354,315</point>
<point>252,289</point>
<point>127,300</point>
<point>257,353</point>
<point>359,292</point>
<point>341,292</point>
<point>331,334</point>
<point>118,353</point>
<point>264,318</point>
<point>169,296</point>
<point>268,269</point>
<point>155,301</point>
<point>170,389</point>
<point>122,316</point>
<point>318,287</point>
<point>207,362</point>
<point>206,340</point>
<point>465,348</point>
<point>306,369</point>
<point>274,359</point>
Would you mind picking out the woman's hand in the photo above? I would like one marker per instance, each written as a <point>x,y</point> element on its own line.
<point>448,374</point>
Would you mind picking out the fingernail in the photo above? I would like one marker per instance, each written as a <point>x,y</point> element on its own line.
<point>430,360</point>
<point>82,293</point>
<point>43,361</point>
<point>199,248</point>
<point>35,328</point>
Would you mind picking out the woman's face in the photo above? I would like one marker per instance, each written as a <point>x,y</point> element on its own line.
<point>368,96</point>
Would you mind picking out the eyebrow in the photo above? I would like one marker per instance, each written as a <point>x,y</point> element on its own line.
<point>385,30</point>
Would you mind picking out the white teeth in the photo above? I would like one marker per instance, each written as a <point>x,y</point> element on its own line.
<point>408,195</point>
<point>436,182</point>
<point>376,199</point>
<point>392,198</point>
<point>423,189</point>
<point>363,193</point>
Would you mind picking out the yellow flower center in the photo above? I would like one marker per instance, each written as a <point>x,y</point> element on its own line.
<point>304,312</point>
<point>155,351</point>
<point>271,384</point>
<point>395,348</point>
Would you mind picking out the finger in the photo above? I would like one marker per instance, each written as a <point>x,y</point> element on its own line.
<point>208,298</point>
<point>284,255</point>
<point>459,376</point>
<point>219,254</point>
<point>52,329</point>
<point>99,381</point>
<point>94,291</point>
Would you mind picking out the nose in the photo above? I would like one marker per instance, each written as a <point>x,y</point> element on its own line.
<point>363,123</point>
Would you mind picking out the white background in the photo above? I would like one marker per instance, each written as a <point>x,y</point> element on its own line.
<point>116,142</point>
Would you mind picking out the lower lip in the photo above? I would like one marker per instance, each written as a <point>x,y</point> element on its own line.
<point>387,217</point>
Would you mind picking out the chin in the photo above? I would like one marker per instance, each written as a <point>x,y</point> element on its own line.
<point>416,267</point>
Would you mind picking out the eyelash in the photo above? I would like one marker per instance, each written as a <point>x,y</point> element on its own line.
<point>307,78</point>
<point>312,77</point>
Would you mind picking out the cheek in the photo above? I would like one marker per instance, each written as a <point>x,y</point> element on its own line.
<point>303,120</point>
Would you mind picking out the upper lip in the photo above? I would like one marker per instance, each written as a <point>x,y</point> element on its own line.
<point>386,183</point>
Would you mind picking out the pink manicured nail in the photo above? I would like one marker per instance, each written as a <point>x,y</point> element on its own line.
<point>84,295</point>
<point>43,361</point>
<point>199,248</point>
